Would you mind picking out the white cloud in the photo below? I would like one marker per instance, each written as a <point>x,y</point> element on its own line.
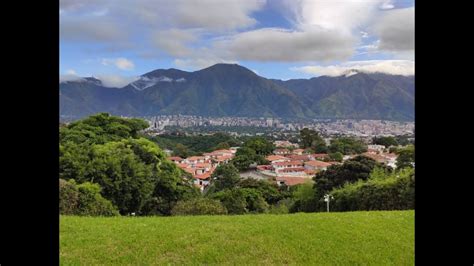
<point>84,29</point>
<point>336,14</point>
<point>120,63</point>
<point>217,15</point>
<point>115,81</point>
<point>174,41</point>
<point>274,44</point>
<point>199,33</point>
<point>396,29</point>
<point>71,72</point>
<point>395,67</point>
<point>388,4</point>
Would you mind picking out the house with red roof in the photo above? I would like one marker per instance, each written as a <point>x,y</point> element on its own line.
<point>316,165</point>
<point>281,152</point>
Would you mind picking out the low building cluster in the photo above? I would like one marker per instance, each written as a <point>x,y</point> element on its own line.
<point>202,167</point>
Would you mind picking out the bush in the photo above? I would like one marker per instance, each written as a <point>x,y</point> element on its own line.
<point>68,196</point>
<point>242,200</point>
<point>282,207</point>
<point>396,191</point>
<point>91,203</point>
<point>83,199</point>
<point>199,206</point>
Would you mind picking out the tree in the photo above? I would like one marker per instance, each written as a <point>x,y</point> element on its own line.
<point>232,199</point>
<point>68,197</point>
<point>336,156</point>
<point>303,196</point>
<point>133,172</point>
<point>269,191</point>
<point>260,145</point>
<point>225,176</point>
<point>246,156</point>
<point>91,202</point>
<point>406,157</point>
<point>222,146</point>
<point>181,151</point>
<point>358,168</point>
<point>83,199</point>
<point>199,206</point>
<point>311,139</point>
<point>383,191</point>
<point>347,145</point>
<point>241,200</point>
<point>385,141</point>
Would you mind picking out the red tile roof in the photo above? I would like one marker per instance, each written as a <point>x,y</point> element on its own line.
<point>317,163</point>
<point>272,158</point>
<point>299,157</point>
<point>175,158</point>
<point>294,162</point>
<point>203,176</point>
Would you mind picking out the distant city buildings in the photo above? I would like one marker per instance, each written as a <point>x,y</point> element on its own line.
<point>357,128</point>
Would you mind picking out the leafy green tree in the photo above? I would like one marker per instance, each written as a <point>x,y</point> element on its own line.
<point>83,199</point>
<point>406,157</point>
<point>181,151</point>
<point>358,168</point>
<point>101,128</point>
<point>68,197</point>
<point>385,141</point>
<point>336,156</point>
<point>312,139</point>
<point>303,197</point>
<point>199,206</point>
<point>225,176</point>
<point>260,145</point>
<point>133,172</point>
<point>269,191</point>
<point>126,180</point>
<point>233,200</point>
<point>246,156</point>
<point>91,202</point>
<point>347,145</point>
<point>383,191</point>
<point>222,146</point>
<point>169,189</point>
<point>242,200</point>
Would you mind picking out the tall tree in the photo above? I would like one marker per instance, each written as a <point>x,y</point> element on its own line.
<point>312,139</point>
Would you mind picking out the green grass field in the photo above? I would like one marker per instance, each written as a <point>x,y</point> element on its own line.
<point>350,238</point>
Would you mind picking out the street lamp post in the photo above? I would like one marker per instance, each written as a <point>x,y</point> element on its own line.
<point>327,198</point>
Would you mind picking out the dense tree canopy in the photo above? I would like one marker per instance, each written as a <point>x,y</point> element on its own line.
<point>385,141</point>
<point>312,139</point>
<point>347,145</point>
<point>260,145</point>
<point>132,172</point>
<point>358,168</point>
<point>225,176</point>
<point>83,199</point>
<point>245,156</point>
<point>406,157</point>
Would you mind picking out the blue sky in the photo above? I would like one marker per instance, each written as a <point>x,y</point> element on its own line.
<point>118,40</point>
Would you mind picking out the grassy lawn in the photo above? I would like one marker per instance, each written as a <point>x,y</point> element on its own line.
<point>350,238</point>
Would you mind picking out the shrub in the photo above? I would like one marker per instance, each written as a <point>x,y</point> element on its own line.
<point>199,206</point>
<point>396,191</point>
<point>68,196</point>
<point>83,199</point>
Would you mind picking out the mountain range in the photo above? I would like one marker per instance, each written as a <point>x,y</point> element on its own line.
<point>233,90</point>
